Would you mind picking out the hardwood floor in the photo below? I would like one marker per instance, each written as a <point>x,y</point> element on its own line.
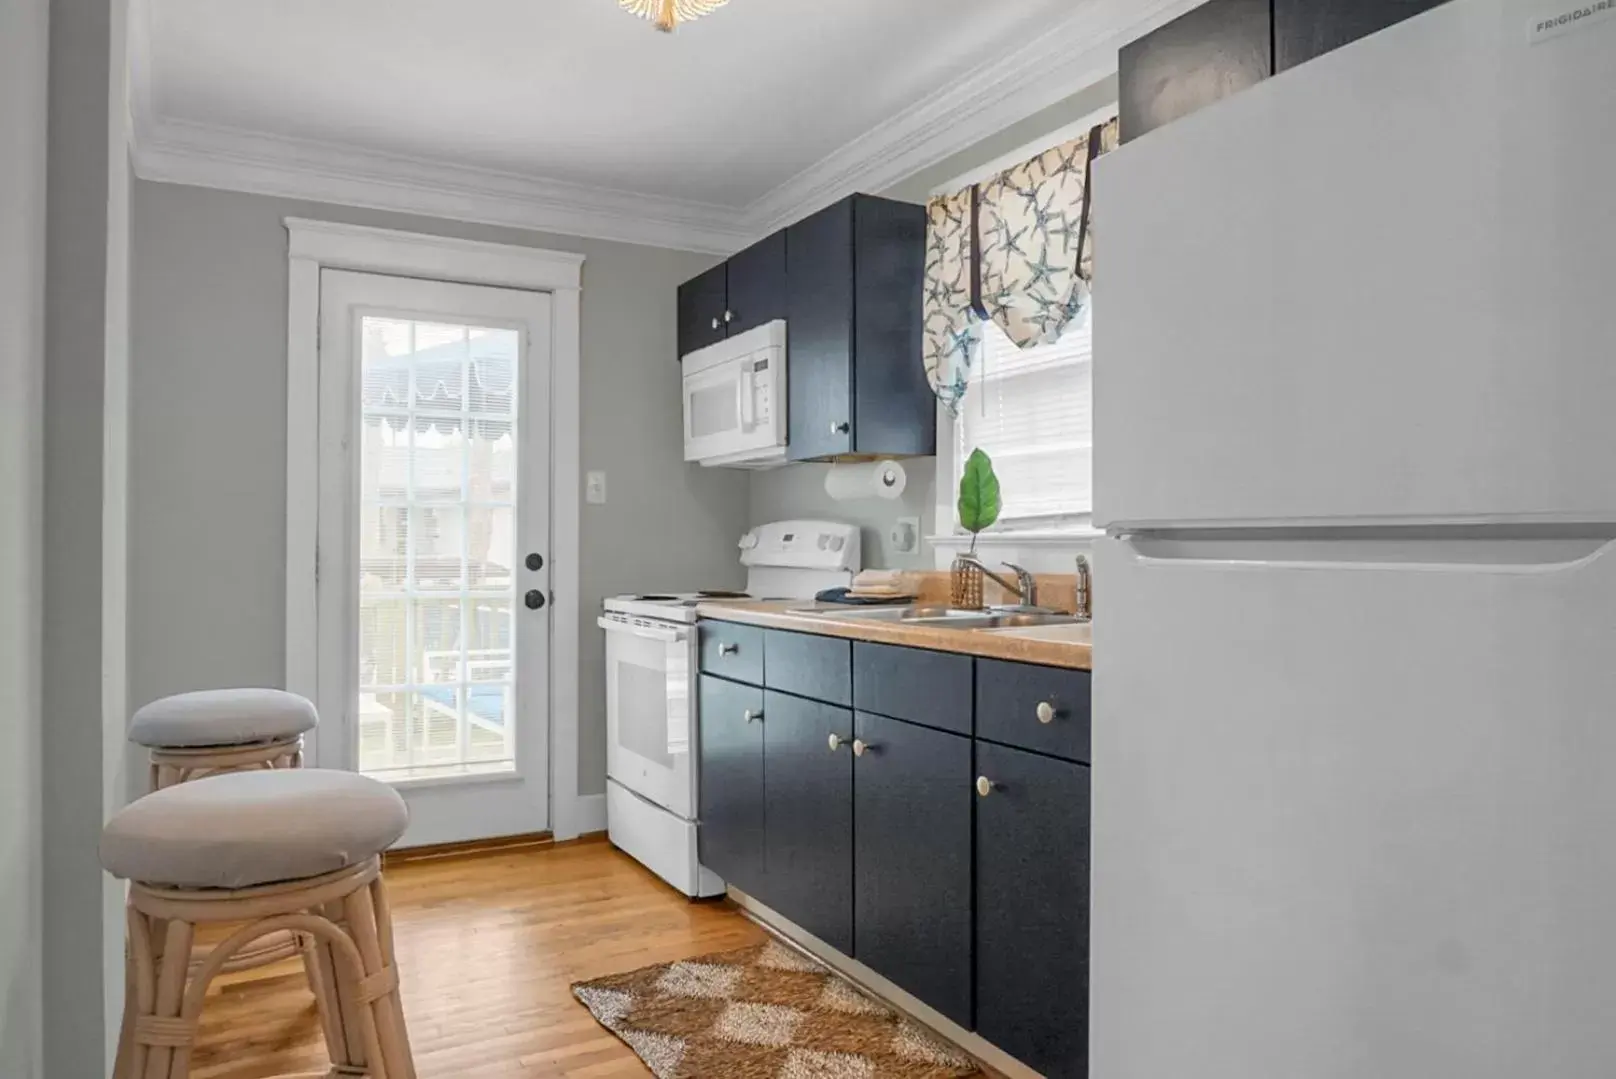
<point>488,947</point>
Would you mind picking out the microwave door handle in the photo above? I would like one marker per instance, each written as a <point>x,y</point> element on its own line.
<point>655,633</point>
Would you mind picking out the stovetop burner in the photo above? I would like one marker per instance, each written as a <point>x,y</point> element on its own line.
<point>721,593</point>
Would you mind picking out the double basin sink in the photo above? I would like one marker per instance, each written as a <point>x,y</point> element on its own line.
<point>946,617</point>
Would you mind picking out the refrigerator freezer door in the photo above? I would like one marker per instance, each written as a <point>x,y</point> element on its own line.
<point>1354,818</point>
<point>1377,287</point>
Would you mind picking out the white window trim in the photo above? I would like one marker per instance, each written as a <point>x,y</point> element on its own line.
<point>317,245</point>
<point>1043,550</point>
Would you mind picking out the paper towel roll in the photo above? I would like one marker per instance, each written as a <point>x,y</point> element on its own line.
<point>879,479</point>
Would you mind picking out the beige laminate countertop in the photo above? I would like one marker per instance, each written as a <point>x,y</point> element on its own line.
<point>1052,646</point>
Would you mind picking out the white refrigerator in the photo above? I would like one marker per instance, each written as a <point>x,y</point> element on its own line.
<point>1355,641</point>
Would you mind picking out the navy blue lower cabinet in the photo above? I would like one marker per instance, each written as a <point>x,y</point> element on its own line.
<point>912,860</point>
<point>1032,904</point>
<point>808,816</point>
<point>730,833</point>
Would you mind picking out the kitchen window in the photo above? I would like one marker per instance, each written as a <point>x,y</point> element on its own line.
<point>1030,410</point>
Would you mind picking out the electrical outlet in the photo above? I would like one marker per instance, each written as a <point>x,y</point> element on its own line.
<point>905,535</point>
<point>595,488</point>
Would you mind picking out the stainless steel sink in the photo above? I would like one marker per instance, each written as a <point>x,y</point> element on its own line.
<point>1006,620</point>
<point>946,617</point>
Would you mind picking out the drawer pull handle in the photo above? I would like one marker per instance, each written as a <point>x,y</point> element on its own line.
<point>753,717</point>
<point>728,649</point>
<point>986,786</point>
<point>861,747</point>
<point>836,742</point>
<point>1046,712</point>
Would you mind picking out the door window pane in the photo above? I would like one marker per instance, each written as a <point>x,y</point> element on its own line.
<point>437,545</point>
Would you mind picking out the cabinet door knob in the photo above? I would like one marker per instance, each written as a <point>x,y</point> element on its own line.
<point>716,323</point>
<point>753,717</point>
<point>986,786</point>
<point>729,316</point>
<point>840,428</point>
<point>861,747</point>
<point>1046,712</point>
<point>728,649</point>
<point>836,742</point>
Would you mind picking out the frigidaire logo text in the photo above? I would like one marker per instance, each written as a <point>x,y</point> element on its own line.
<point>1583,12</point>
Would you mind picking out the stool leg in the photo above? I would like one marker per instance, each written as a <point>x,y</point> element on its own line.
<point>334,986</point>
<point>370,923</point>
<point>169,998</point>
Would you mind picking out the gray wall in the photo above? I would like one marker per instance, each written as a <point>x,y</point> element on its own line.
<point>208,482</point>
<point>797,491</point>
<point>82,635</point>
<point>23,44</point>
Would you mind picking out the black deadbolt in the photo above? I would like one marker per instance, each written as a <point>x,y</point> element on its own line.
<point>535,561</point>
<point>534,599</point>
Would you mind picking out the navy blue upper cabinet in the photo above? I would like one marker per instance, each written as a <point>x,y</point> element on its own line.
<point>702,303</point>
<point>854,272</point>
<point>734,296</point>
<point>757,285</point>
<point>1304,29</point>
<point>1205,55</point>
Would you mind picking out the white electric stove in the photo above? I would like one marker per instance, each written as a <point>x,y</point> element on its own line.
<point>652,720</point>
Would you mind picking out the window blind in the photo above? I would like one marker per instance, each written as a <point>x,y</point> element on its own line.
<point>1030,410</point>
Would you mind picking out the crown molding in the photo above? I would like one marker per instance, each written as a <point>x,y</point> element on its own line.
<point>1071,56</point>
<point>203,155</point>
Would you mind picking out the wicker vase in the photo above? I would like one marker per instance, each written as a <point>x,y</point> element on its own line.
<point>965,586</point>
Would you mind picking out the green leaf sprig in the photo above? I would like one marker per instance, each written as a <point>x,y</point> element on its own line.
<point>978,495</point>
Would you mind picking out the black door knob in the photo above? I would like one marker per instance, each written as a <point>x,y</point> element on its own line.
<point>534,599</point>
<point>535,561</point>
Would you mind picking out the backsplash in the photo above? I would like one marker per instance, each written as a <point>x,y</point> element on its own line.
<point>798,491</point>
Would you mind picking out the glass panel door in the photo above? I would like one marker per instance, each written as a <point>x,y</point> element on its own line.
<point>434,532</point>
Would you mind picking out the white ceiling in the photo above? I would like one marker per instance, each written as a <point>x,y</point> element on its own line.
<point>722,124</point>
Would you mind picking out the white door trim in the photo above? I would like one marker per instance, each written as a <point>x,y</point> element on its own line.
<point>317,245</point>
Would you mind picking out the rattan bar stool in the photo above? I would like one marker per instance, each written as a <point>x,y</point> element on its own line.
<point>218,731</point>
<point>191,735</point>
<point>269,852</point>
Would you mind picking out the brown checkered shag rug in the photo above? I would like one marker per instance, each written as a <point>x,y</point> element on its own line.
<point>764,1012</point>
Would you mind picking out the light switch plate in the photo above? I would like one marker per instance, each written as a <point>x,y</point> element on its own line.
<point>595,488</point>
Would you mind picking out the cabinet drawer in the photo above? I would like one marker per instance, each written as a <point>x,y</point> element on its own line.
<point>809,666</point>
<point>1040,708</point>
<point>732,651</point>
<point>933,688</point>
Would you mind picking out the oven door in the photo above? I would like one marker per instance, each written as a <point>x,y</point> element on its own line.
<point>650,711</point>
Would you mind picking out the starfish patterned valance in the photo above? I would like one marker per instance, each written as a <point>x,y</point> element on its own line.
<point>1015,249</point>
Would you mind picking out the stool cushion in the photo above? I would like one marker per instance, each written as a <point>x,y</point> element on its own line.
<point>221,717</point>
<point>249,828</point>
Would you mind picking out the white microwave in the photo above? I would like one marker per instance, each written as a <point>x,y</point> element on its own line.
<point>735,400</point>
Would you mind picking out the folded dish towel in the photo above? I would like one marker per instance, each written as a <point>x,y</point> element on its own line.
<point>880,582</point>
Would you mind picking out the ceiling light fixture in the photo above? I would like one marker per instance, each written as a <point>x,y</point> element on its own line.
<point>668,14</point>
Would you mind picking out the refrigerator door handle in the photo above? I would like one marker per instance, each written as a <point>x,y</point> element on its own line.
<point>1469,554</point>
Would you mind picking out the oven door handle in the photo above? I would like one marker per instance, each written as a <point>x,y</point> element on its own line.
<point>669,636</point>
